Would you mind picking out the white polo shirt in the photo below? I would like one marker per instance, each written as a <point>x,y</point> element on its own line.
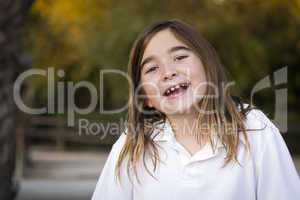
<point>268,173</point>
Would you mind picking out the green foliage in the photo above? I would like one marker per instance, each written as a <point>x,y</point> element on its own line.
<point>253,38</point>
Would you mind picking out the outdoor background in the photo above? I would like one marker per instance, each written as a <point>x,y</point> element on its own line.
<point>43,158</point>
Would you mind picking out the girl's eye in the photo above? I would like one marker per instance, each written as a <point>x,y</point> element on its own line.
<point>177,58</point>
<point>151,69</point>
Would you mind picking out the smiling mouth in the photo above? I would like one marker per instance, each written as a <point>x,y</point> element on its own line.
<point>176,89</point>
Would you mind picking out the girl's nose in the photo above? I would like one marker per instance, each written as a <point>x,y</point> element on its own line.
<point>169,74</point>
<point>168,70</point>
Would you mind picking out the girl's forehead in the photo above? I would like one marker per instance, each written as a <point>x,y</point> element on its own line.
<point>161,42</point>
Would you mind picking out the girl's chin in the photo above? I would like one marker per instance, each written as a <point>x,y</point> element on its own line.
<point>177,109</point>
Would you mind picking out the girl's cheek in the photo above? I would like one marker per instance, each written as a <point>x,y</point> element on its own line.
<point>151,91</point>
<point>187,68</point>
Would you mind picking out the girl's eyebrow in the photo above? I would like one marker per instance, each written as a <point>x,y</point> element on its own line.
<point>171,50</point>
<point>177,48</point>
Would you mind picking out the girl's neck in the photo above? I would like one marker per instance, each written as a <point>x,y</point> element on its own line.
<point>185,130</point>
<point>183,124</point>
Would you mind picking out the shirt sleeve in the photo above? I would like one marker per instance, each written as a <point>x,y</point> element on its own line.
<point>277,175</point>
<point>108,187</point>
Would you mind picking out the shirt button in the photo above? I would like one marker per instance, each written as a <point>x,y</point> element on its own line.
<point>191,179</point>
<point>192,171</point>
<point>195,172</point>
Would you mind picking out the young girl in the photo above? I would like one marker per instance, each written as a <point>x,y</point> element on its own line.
<point>187,137</point>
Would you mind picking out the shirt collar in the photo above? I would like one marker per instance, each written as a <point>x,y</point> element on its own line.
<point>164,133</point>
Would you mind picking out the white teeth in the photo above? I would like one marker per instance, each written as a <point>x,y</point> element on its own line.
<point>176,87</point>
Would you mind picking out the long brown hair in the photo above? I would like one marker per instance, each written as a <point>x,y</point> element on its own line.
<point>228,116</point>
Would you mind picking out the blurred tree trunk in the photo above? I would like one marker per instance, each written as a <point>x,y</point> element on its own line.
<point>12,14</point>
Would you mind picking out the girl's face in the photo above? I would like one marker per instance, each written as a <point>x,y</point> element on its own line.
<point>172,75</point>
